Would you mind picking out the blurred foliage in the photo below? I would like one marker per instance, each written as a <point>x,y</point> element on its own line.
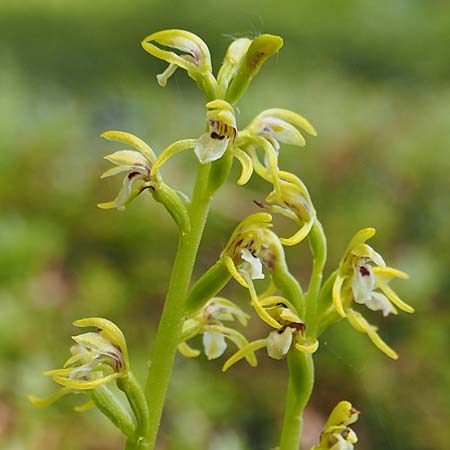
<point>373,77</point>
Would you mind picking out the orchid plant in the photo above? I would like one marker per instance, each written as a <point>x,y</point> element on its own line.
<point>295,318</point>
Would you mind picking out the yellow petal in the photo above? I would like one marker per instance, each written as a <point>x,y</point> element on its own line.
<point>171,151</point>
<point>395,299</point>
<point>360,324</point>
<point>106,329</point>
<point>307,347</point>
<point>243,352</point>
<point>262,313</point>
<point>291,117</point>
<point>246,163</point>
<point>46,401</point>
<point>220,104</point>
<point>237,338</point>
<point>84,384</point>
<point>234,272</point>
<point>107,205</point>
<point>360,237</point>
<point>130,139</point>
<point>387,273</point>
<point>84,406</point>
<point>380,344</point>
<point>181,40</point>
<point>187,351</point>
<point>337,298</point>
<point>299,235</point>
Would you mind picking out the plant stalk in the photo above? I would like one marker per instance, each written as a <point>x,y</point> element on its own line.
<point>165,345</point>
<point>300,386</point>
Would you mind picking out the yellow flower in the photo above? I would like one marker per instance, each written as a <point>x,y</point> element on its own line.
<point>289,331</point>
<point>292,200</point>
<point>97,357</point>
<point>336,434</point>
<point>208,323</point>
<point>136,165</point>
<point>194,58</point>
<point>266,132</point>
<point>364,278</point>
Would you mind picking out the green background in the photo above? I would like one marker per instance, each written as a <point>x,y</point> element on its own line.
<point>372,77</point>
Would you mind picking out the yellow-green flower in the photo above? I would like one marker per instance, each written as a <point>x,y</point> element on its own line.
<point>336,434</point>
<point>97,357</point>
<point>135,164</point>
<point>364,278</point>
<point>208,323</point>
<point>222,132</point>
<point>266,132</point>
<point>289,331</point>
<point>292,200</point>
<point>280,125</point>
<point>194,58</point>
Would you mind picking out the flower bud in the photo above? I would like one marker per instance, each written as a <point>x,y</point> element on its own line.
<point>261,48</point>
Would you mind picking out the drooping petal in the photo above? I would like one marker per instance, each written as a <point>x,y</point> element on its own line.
<point>211,147</point>
<point>52,398</point>
<point>215,344</point>
<point>237,338</point>
<point>253,266</point>
<point>133,185</point>
<point>363,283</point>
<point>379,302</point>
<point>395,299</point>
<point>279,342</point>
<point>359,323</point>
<point>85,384</point>
<point>262,313</point>
<point>234,272</point>
<point>246,163</point>
<point>187,351</point>
<point>299,236</point>
<point>243,352</point>
<point>307,346</point>
<point>337,295</point>
<point>84,406</point>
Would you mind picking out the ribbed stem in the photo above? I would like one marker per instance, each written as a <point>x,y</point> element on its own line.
<point>300,385</point>
<point>165,345</point>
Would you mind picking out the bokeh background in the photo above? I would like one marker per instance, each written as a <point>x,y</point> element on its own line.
<point>373,77</point>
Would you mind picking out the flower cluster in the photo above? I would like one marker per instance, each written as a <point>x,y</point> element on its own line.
<point>97,357</point>
<point>362,274</point>
<point>208,323</point>
<point>337,435</point>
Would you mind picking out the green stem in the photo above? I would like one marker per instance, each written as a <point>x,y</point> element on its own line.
<point>165,345</point>
<point>318,244</point>
<point>300,385</point>
<point>132,389</point>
